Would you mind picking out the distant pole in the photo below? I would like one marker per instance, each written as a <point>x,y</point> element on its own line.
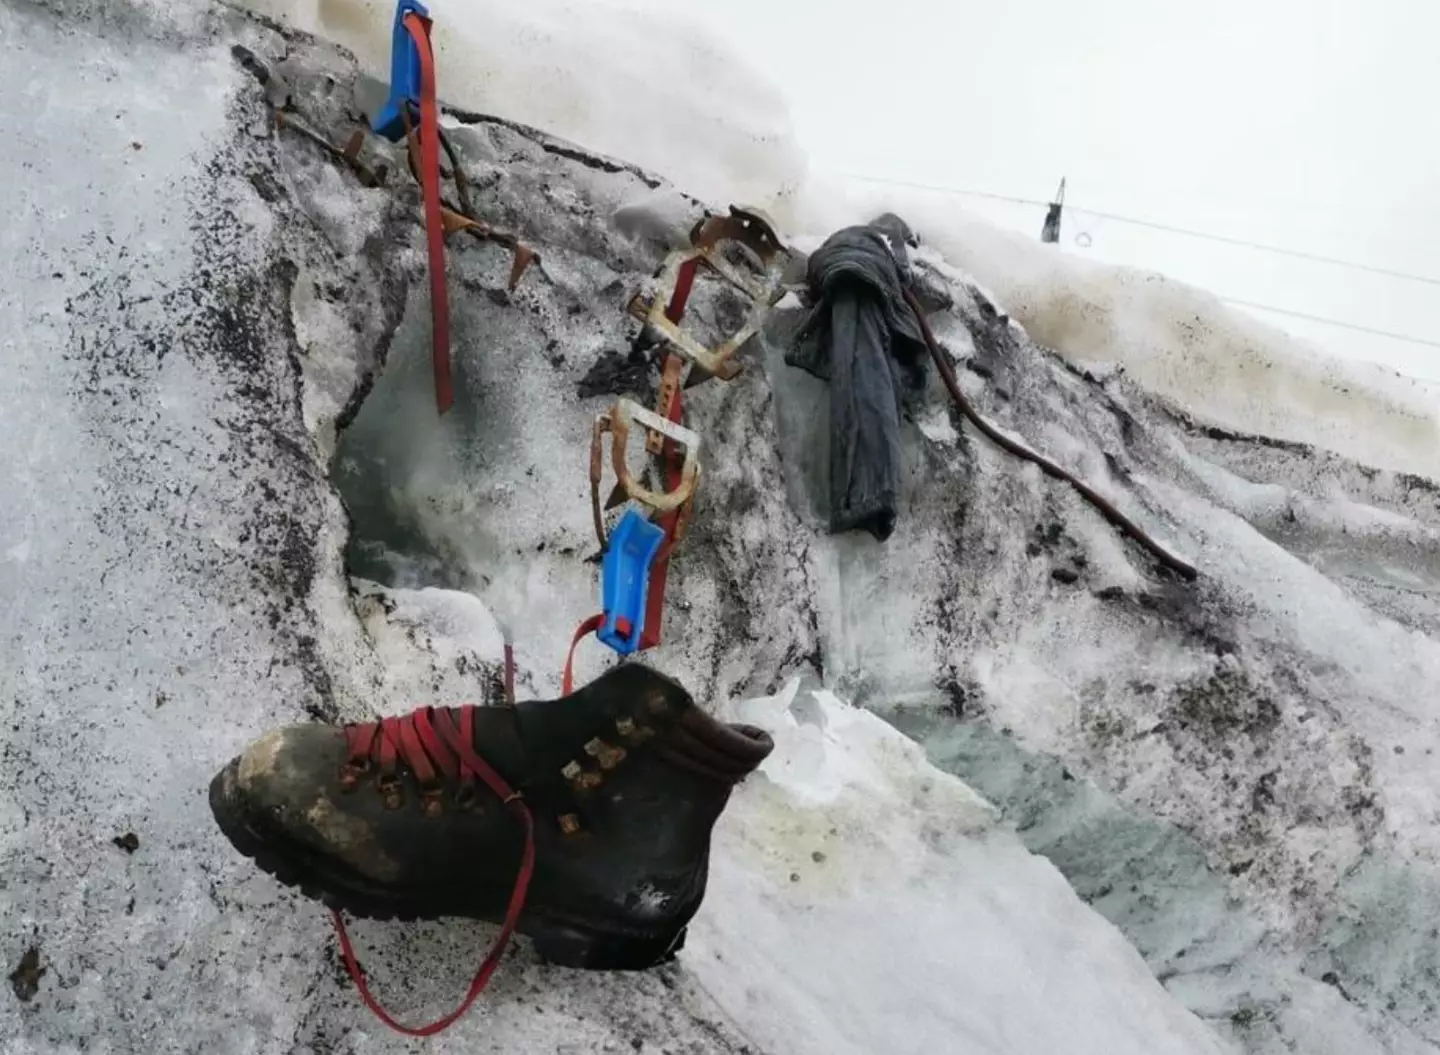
<point>1051,231</point>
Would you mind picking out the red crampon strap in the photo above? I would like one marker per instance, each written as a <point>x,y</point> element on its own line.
<point>684,283</point>
<point>584,630</point>
<point>669,523</point>
<point>429,741</point>
<point>419,29</point>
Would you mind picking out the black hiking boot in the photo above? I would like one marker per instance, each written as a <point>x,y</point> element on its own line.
<point>621,781</point>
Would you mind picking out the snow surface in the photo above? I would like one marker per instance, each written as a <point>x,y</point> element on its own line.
<point>1238,775</point>
<point>849,875</point>
<point>885,912</point>
<point>172,549</point>
<point>1258,712</point>
<point>638,81</point>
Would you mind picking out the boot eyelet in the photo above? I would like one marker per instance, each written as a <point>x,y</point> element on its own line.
<point>632,732</point>
<point>352,772</point>
<point>569,824</point>
<point>607,756</point>
<point>391,792</point>
<point>434,804</point>
<point>465,798</point>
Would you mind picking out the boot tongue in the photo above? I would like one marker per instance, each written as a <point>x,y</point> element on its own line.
<point>494,738</point>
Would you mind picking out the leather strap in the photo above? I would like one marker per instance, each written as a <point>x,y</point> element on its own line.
<point>584,630</point>
<point>419,29</point>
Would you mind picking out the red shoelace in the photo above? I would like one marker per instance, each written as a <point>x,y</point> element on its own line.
<point>432,743</point>
<point>441,743</point>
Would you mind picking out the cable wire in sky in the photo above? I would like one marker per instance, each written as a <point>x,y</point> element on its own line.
<point>1299,254</point>
<point>1333,322</point>
<point>1357,327</point>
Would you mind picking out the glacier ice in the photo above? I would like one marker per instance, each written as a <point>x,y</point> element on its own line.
<point>1238,776</point>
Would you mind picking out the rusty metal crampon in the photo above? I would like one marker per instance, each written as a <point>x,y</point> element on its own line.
<point>663,310</point>
<point>618,422</point>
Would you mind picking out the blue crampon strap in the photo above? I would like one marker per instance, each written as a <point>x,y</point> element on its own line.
<point>404,74</point>
<point>625,580</point>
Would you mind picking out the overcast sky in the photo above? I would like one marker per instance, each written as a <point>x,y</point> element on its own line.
<point>1306,124</point>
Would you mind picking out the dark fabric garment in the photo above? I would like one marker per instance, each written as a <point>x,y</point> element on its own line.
<point>863,340</point>
<point>897,230</point>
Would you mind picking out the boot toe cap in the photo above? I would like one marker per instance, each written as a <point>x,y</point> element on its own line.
<point>288,765</point>
<point>276,782</point>
<point>283,799</point>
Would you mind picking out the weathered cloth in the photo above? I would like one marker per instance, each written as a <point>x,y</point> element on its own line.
<point>863,340</point>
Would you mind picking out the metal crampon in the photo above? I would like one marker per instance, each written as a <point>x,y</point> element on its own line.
<point>649,529</point>
<point>663,311</point>
<point>617,422</point>
<point>744,252</point>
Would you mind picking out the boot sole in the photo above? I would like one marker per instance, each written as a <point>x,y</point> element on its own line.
<point>557,940</point>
